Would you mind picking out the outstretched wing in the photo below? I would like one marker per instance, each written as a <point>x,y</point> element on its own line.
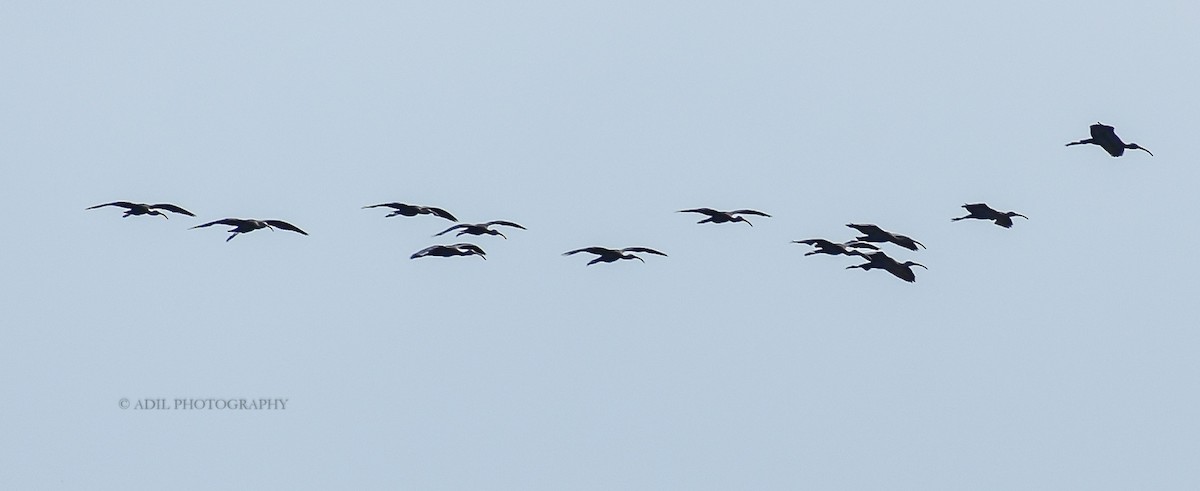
<point>866,228</point>
<point>599,251</point>
<point>821,243</point>
<point>389,205</point>
<point>469,247</point>
<point>171,207</point>
<point>441,213</point>
<point>647,250</point>
<point>233,222</point>
<point>980,209</point>
<point>707,211</point>
<point>285,225</point>
<point>424,252</point>
<point>122,204</point>
<point>461,225</point>
<point>505,223</point>
<point>749,212</point>
<point>858,244</point>
<point>1103,132</point>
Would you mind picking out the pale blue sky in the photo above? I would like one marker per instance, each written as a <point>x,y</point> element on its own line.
<point>1059,354</point>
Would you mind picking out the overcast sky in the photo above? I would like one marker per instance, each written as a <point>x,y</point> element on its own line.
<point>1059,354</point>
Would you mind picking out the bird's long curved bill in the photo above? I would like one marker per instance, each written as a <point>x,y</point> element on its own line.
<point>1147,151</point>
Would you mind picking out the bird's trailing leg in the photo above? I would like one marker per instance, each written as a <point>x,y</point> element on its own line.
<point>1082,142</point>
<point>235,234</point>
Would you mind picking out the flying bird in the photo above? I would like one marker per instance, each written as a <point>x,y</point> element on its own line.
<point>460,249</point>
<point>879,260</point>
<point>848,248</point>
<point>872,233</point>
<point>607,255</point>
<point>243,225</point>
<point>145,209</point>
<point>481,228</point>
<point>414,210</point>
<point>982,211</point>
<point>715,216</point>
<point>1104,136</point>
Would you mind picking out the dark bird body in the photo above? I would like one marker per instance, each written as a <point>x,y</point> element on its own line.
<point>879,260</point>
<point>848,248</point>
<point>607,255</point>
<point>144,209</point>
<point>1104,136</point>
<point>982,211</point>
<point>243,225</point>
<point>715,216</point>
<point>480,228</point>
<point>872,233</point>
<point>414,210</point>
<point>460,249</point>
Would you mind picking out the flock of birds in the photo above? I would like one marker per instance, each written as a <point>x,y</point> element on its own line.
<point>862,246</point>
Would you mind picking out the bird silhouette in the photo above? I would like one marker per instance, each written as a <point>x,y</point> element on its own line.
<point>243,225</point>
<point>144,209</point>
<point>413,210</point>
<point>848,248</point>
<point>880,260</point>
<point>1104,136</point>
<point>872,233</point>
<point>460,249</point>
<point>607,255</point>
<point>715,216</point>
<point>481,228</point>
<point>982,211</point>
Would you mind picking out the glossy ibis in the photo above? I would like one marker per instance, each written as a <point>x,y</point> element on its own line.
<point>848,248</point>
<point>460,249</point>
<point>879,260</point>
<point>715,216</point>
<point>243,225</point>
<point>872,233</point>
<point>607,255</point>
<point>982,211</point>
<point>413,210</point>
<point>480,228</point>
<point>1104,136</point>
<point>145,209</point>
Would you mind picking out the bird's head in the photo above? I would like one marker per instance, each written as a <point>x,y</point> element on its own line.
<point>159,213</point>
<point>493,231</point>
<point>1015,214</point>
<point>1134,146</point>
